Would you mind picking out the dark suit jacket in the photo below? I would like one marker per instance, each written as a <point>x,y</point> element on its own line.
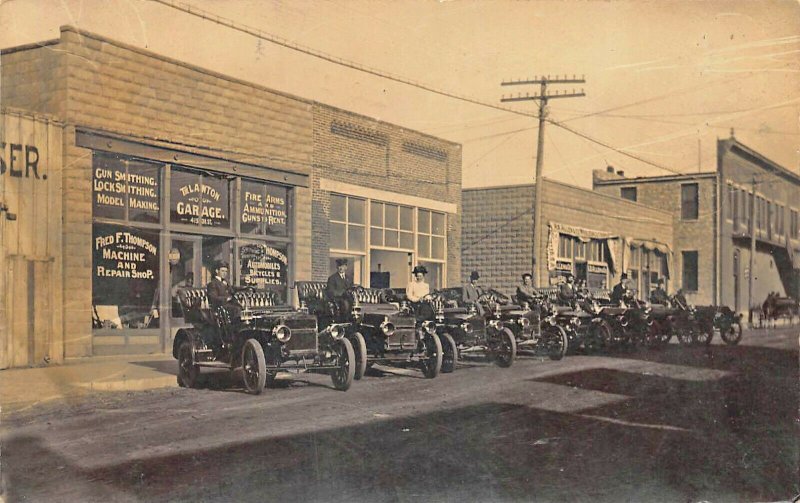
<point>337,286</point>
<point>566,293</point>
<point>218,292</point>
<point>618,292</point>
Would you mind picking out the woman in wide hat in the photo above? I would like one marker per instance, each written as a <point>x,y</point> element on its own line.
<point>418,288</point>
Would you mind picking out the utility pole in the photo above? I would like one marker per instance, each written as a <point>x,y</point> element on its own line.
<point>752,253</point>
<point>543,98</point>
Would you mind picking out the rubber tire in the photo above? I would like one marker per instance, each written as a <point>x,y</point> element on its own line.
<point>449,354</point>
<point>704,336</point>
<point>254,386</point>
<point>433,364</point>
<point>342,377</point>
<point>733,335</point>
<point>508,339</point>
<point>360,349</point>
<point>597,338</point>
<point>187,378</point>
<point>562,335</point>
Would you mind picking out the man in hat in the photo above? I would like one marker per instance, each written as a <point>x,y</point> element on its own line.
<point>418,289</point>
<point>220,293</point>
<point>620,290</point>
<point>566,290</point>
<point>659,295</point>
<point>472,292</point>
<point>525,291</point>
<point>337,286</point>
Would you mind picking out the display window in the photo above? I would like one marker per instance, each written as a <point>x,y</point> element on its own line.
<point>198,198</point>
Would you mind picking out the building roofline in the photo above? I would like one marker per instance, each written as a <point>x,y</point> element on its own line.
<point>206,71</point>
<point>653,179</point>
<point>733,143</point>
<point>574,187</point>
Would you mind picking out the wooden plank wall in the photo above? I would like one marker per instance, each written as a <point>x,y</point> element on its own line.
<point>31,296</point>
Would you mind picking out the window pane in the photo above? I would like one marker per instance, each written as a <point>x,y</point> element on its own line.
<point>437,223</point>
<point>424,245</point>
<point>437,248</point>
<point>406,218</point>
<point>376,236</point>
<point>391,216</point>
<point>338,236</point>
<point>424,221</point>
<point>628,193</point>
<point>265,268</point>
<point>184,201</point>
<point>215,195</point>
<point>392,238</point>
<point>338,205</point>
<point>125,276</point>
<point>355,237</point>
<point>689,270</point>
<point>407,240</point>
<point>276,210</point>
<point>355,208</point>
<point>689,202</point>
<point>251,203</point>
<point>108,194</point>
<point>376,214</point>
<point>144,192</point>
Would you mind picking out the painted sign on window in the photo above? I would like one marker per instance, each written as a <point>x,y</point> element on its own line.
<point>264,267</point>
<point>199,199</point>
<point>265,209</point>
<point>125,189</point>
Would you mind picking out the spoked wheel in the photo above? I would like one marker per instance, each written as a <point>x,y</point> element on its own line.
<point>431,362</point>
<point>555,342</point>
<point>254,367</point>
<point>597,337</point>
<point>360,349</point>
<point>660,334</point>
<point>732,333</point>
<point>449,353</point>
<point>705,335</point>
<point>504,351</point>
<point>686,336</point>
<point>342,377</point>
<point>188,371</point>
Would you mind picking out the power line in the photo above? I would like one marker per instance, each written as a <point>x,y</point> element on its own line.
<point>214,18</point>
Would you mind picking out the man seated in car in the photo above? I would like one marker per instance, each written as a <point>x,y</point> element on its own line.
<point>659,295</point>
<point>472,292</point>
<point>620,290</point>
<point>337,286</point>
<point>525,292</point>
<point>220,294</point>
<point>566,291</point>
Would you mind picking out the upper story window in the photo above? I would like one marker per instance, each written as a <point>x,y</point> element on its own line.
<point>596,250</point>
<point>348,223</point>
<point>689,201</point>
<point>431,227</point>
<point>793,224</point>
<point>628,193</point>
<point>391,225</point>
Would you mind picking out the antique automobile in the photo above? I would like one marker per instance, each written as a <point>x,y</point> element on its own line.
<point>264,341</point>
<point>381,326</point>
<point>719,319</point>
<point>465,331</point>
<point>624,324</point>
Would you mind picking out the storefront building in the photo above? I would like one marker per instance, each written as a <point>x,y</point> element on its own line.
<point>589,235</point>
<point>171,169</point>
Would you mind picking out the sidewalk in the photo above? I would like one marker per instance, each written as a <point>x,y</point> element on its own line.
<point>26,387</point>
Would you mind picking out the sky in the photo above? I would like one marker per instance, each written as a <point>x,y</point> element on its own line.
<point>664,79</point>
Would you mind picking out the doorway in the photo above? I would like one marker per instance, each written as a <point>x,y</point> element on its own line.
<point>390,269</point>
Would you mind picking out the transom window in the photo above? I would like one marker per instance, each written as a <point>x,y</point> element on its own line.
<point>431,234</point>
<point>391,225</point>
<point>348,223</point>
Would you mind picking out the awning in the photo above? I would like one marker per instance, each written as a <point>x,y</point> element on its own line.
<point>555,230</point>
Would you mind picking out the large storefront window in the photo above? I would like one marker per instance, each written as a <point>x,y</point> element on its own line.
<point>347,222</point>
<point>646,267</point>
<point>584,258</point>
<point>140,250</point>
<point>431,228</point>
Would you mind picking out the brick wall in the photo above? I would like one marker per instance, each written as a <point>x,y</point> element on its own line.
<point>358,150</point>
<point>689,235</point>
<point>498,222</point>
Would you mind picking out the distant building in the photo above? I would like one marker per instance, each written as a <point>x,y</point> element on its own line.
<point>591,235</point>
<point>711,214</point>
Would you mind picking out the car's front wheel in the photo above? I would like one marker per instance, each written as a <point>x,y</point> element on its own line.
<point>504,351</point>
<point>188,371</point>
<point>731,333</point>
<point>449,354</point>
<point>254,367</point>
<point>360,349</point>
<point>555,342</point>
<point>431,362</point>
<point>343,376</point>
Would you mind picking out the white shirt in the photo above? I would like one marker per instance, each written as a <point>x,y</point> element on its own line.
<point>416,290</point>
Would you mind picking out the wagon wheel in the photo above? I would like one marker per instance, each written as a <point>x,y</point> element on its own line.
<point>555,342</point>
<point>342,377</point>
<point>449,354</point>
<point>431,362</point>
<point>704,335</point>
<point>188,371</point>
<point>732,333</point>
<point>597,337</point>
<point>254,367</point>
<point>360,350</point>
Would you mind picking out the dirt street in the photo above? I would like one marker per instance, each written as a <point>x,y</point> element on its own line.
<point>682,424</point>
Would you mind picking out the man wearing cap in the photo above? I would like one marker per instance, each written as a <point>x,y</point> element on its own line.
<point>566,291</point>
<point>659,295</point>
<point>525,291</point>
<point>337,286</point>
<point>219,292</point>
<point>418,289</point>
<point>620,289</point>
<point>472,292</point>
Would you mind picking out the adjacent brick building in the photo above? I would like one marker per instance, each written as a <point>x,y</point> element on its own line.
<point>170,168</point>
<point>711,217</point>
<point>591,235</point>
